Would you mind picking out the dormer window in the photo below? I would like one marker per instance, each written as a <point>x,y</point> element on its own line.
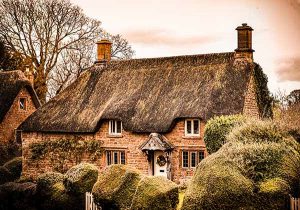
<point>115,127</point>
<point>22,103</point>
<point>192,127</point>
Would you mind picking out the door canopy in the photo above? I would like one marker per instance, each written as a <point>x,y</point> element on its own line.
<point>156,141</point>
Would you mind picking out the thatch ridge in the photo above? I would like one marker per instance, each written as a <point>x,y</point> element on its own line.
<point>11,82</point>
<point>147,95</point>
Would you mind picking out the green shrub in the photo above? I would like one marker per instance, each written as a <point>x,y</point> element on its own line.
<point>8,151</point>
<point>245,173</point>
<point>15,167</point>
<point>116,187</point>
<point>5,175</point>
<point>81,178</point>
<point>217,129</point>
<point>18,196</point>
<point>155,193</point>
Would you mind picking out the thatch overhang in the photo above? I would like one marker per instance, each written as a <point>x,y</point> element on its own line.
<point>155,142</point>
<point>11,82</point>
<point>147,95</point>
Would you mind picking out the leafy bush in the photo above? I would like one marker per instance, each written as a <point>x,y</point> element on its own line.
<point>116,187</point>
<point>18,196</point>
<point>245,173</point>
<point>155,193</point>
<point>5,175</point>
<point>217,129</point>
<point>81,178</point>
<point>8,151</point>
<point>14,166</point>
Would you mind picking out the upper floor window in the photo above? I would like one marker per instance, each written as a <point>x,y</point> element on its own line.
<point>192,127</point>
<point>22,103</point>
<point>115,127</point>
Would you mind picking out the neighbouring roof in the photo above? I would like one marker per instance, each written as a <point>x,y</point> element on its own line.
<point>11,82</point>
<point>147,95</point>
<point>156,142</point>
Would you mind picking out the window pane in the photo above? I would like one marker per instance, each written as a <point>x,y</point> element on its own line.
<point>188,127</point>
<point>122,157</point>
<point>201,155</point>
<point>185,159</point>
<point>196,126</point>
<point>113,127</point>
<point>119,126</point>
<point>193,159</point>
<point>108,157</point>
<point>22,103</point>
<point>115,157</point>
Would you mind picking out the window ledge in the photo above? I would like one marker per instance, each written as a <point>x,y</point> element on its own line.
<point>115,135</point>
<point>191,137</point>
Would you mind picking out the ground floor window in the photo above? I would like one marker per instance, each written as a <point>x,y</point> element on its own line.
<point>115,157</point>
<point>190,159</point>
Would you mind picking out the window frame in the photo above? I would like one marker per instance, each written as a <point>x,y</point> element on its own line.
<point>110,157</point>
<point>196,158</point>
<point>25,103</point>
<point>192,128</point>
<point>189,155</point>
<point>182,160</point>
<point>113,125</point>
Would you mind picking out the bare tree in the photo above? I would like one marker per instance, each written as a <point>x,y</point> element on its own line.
<point>42,30</point>
<point>82,56</point>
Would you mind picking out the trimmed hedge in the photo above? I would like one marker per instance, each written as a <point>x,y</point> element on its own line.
<point>217,129</point>
<point>15,167</point>
<point>81,178</point>
<point>245,173</point>
<point>5,175</point>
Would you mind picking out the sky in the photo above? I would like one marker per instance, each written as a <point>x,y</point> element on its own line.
<point>159,28</point>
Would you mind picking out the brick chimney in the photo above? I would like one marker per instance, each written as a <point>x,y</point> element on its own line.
<point>29,75</point>
<point>103,52</point>
<point>244,49</point>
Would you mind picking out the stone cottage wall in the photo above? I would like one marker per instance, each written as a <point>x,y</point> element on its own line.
<point>15,116</point>
<point>250,104</point>
<point>128,142</point>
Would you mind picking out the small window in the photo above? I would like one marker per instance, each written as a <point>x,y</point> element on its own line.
<point>201,156</point>
<point>192,127</point>
<point>115,157</point>
<point>185,159</point>
<point>22,103</point>
<point>193,159</point>
<point>115,127</point>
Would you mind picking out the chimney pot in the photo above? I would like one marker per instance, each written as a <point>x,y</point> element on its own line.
<point>103,52</point>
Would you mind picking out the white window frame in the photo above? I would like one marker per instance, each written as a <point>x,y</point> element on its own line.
<point>188,160</point>
<point>192,127</point>
<point>24,105</point>
<point>111,154</point>
<point>111,122</point>
<point>196,161</point>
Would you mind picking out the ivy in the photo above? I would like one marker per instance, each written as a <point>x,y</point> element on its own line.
<point>63,150</point>
<point>263,96</point>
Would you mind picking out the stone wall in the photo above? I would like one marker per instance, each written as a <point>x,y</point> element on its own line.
<point>250,104</point>
<point>128,142</point>
<point>15,116</point>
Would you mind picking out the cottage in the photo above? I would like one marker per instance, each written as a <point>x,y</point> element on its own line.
<point>18,100</point>
<point>148,113</point>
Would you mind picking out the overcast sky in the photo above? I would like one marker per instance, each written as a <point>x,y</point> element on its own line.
<point>158,28</point>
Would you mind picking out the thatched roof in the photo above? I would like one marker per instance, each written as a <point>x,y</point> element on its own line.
<point>11,82</point>
<point>147,95</point>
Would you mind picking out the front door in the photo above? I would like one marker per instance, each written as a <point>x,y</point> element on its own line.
<point>160,164</point>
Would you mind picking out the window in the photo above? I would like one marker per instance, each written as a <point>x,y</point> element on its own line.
<point>22,103</point>
<point>185,159</point>
<point>192,127</point>
<point>190,159</point>
<point>115,127</point>
<point>115,157</point>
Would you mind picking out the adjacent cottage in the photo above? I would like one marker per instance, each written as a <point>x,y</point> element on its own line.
<point>18,100</point>
<point>147,113</point>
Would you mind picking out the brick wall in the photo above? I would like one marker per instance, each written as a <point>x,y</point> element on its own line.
<point>128,142</point>
<point>250,104</point>
<point>15,116</point>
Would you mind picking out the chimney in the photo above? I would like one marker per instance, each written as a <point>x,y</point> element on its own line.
<point>103,52</point>
<point>244,49</point>
<point>29,75</point>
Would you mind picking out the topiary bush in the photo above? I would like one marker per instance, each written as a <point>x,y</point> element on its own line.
<point>218,128</point>
<point>14,166</point>
<point>154,192</point>
<point>116,187</point>
<point>245,173</point>
<point>81,178</point>
<point>5,175</point>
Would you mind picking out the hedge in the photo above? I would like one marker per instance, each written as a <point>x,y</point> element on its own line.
<point>14,166</point>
